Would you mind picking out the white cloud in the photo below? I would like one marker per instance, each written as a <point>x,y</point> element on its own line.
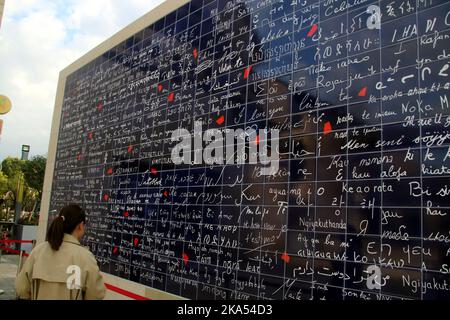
<point>38,38</point>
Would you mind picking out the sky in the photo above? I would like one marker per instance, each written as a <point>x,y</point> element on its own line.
<point>39,38</point>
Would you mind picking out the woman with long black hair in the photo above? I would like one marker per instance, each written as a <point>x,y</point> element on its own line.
<point>60,268</point>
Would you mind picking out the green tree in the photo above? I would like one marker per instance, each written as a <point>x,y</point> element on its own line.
<point>4,189</point>
<point>3,184</point>
<point>34,171</point>
<point>12,166</point>
<point>12,169</point>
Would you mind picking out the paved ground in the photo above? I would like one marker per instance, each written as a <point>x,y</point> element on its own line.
<point>8,270</point>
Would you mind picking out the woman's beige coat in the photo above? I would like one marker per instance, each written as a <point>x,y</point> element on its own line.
<point>46,273</point>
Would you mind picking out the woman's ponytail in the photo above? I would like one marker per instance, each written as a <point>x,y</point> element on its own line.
<point>68,219</point>
<point>55,233</point>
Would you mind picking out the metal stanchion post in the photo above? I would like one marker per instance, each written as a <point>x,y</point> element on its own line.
<point>19,265</point>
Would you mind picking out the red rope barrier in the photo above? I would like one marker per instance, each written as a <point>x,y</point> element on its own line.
<point>125,292</point>
<point>13,251</point>
<point>16,241</point>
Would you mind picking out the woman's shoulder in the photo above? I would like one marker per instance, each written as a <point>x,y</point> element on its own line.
<point>81,250</point>
<point>77,251</point>
<point>86,256</point>
<point>40,247</point>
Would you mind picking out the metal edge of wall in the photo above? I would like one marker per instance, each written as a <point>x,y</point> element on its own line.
<point>51,156</point>
<point>162,10</point>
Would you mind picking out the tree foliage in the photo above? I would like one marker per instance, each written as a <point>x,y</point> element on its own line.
<point>34,171</point>
<point>31,172</point>
<point>12,166</point>
<point>3,183</point>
